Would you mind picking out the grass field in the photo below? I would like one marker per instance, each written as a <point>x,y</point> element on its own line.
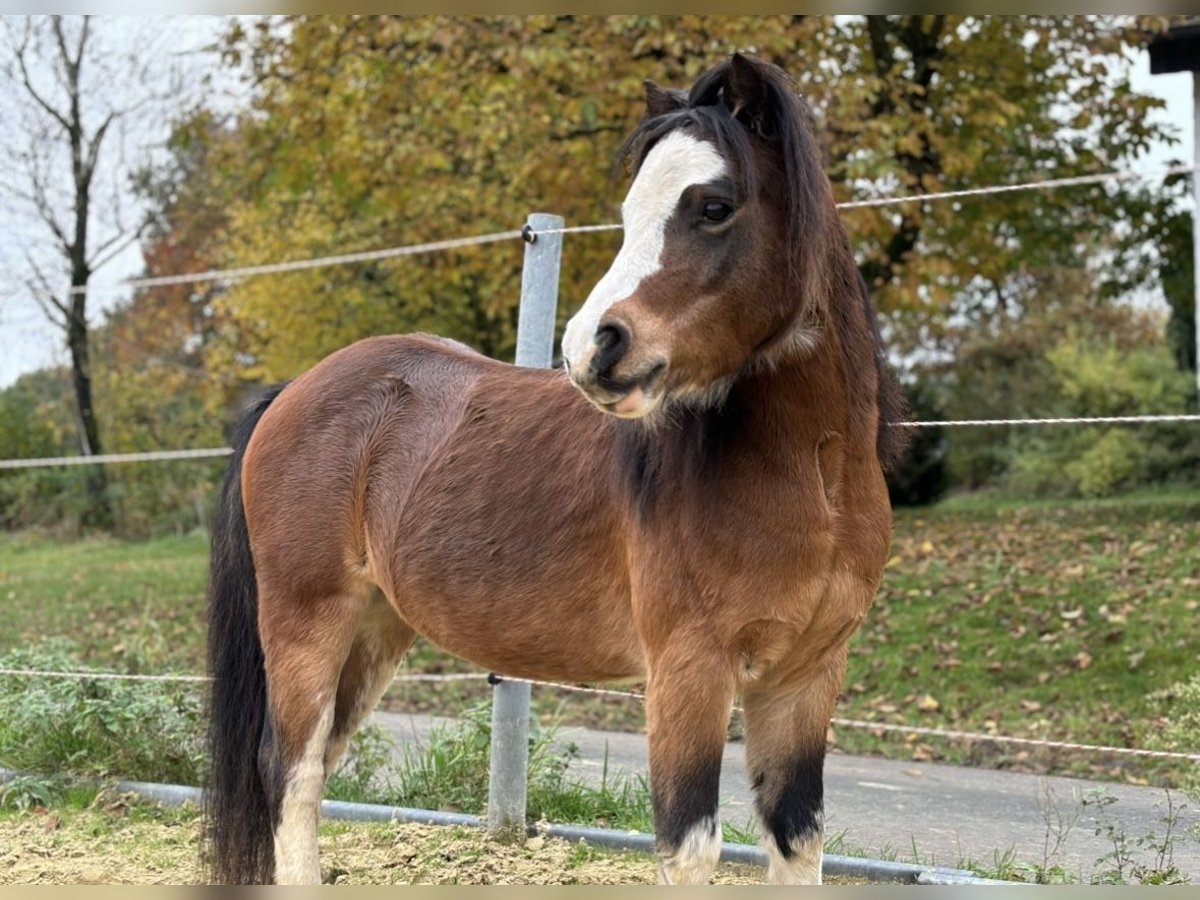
<point>1048,620</point>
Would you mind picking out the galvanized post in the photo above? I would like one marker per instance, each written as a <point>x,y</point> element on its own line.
<point>507,780</point>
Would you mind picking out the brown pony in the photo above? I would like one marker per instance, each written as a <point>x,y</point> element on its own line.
<point>701,504</point>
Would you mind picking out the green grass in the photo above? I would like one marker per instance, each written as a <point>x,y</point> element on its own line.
<point>449,771</point>
<point>1052,619</point>
<point>132,606</point>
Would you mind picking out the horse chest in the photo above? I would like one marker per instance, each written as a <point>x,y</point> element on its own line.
<point>747,550</point>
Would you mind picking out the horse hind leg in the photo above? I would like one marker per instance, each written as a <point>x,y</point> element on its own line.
<point>382,641</point>
<point>304,647</point>
<point>785,726</point>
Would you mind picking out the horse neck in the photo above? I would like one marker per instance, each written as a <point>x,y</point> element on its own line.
<point>823,385</point>
<point>794,403</point>
<point>776,414</point>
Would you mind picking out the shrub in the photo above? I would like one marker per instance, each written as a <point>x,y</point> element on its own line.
<point>921,476</point>
<point>1112,462</point>
<point>1094,379</point>
<point>1179,707</point>
<point>147,731</point>
<point>450,772</point>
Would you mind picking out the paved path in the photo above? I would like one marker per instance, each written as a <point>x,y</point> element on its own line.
<point>949,813</point>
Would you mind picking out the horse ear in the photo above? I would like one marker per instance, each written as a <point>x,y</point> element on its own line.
<point>748,95</point>
<point>661,100</point>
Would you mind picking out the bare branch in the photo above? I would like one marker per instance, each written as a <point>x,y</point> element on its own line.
<point>27,81</point>
<point>45,209</point>
<point>83,36</point>
<point>42,291</point>
<point>73,64</point>
<point>114,247</point>
<point>93,145</point>
<point>45,305</point>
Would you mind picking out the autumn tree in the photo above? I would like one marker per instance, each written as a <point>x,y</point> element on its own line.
<point>373,131</point>
<point>362,137</point>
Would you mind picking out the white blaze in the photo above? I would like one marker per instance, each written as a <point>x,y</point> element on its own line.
<point>674,164</point>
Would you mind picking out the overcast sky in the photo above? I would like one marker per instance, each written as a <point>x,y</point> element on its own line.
<point>28,342</point>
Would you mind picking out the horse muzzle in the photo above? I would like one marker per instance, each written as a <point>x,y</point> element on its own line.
<point>626,397</point>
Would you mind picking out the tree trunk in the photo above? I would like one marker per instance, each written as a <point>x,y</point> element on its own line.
<point>98,513</point>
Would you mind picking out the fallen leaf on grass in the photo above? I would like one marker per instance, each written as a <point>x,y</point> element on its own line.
<point>928,703</point>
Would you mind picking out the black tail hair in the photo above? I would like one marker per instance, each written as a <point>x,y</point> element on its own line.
<point>238,830</point>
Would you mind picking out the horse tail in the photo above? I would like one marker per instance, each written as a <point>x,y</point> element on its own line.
<point>238,829</point>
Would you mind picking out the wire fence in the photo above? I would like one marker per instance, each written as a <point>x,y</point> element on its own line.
<point>869,725</point>
<point>529,235</point>
<point>216,452</point>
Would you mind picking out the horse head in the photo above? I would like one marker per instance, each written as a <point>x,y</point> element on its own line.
<point>729,223</point>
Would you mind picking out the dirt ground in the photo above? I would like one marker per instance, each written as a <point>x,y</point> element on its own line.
<point>118,841</point>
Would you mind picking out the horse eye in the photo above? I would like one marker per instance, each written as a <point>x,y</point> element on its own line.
<point>716,211</point>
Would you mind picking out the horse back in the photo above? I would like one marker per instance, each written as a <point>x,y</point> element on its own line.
<point>472,492</point>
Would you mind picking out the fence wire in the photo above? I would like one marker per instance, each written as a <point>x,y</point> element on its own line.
<point>836,722</point>
<point>214,452</point>
<point>241,272</point>
<point>299,265</point>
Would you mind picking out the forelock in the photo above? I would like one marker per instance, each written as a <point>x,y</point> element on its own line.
<point>712,123</point>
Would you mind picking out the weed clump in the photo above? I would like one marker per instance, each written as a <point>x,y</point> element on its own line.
<point>93,727</point>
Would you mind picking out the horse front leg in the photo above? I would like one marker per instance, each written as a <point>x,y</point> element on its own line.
<point>786,719</point>
<point>689,696</point>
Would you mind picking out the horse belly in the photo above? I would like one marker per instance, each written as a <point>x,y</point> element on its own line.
<point>496,601</point>
<point>523,634</point>
<point>507,559</point>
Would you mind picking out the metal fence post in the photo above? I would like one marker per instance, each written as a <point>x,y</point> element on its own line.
<point>507,780</point>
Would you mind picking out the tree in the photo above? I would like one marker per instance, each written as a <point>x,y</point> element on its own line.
<point>80,99</point>
<point>955,102</point>
<point>368,132</point>
<point>371,131</point>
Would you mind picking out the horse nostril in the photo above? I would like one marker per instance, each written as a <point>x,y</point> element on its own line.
<point>612,343</point>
